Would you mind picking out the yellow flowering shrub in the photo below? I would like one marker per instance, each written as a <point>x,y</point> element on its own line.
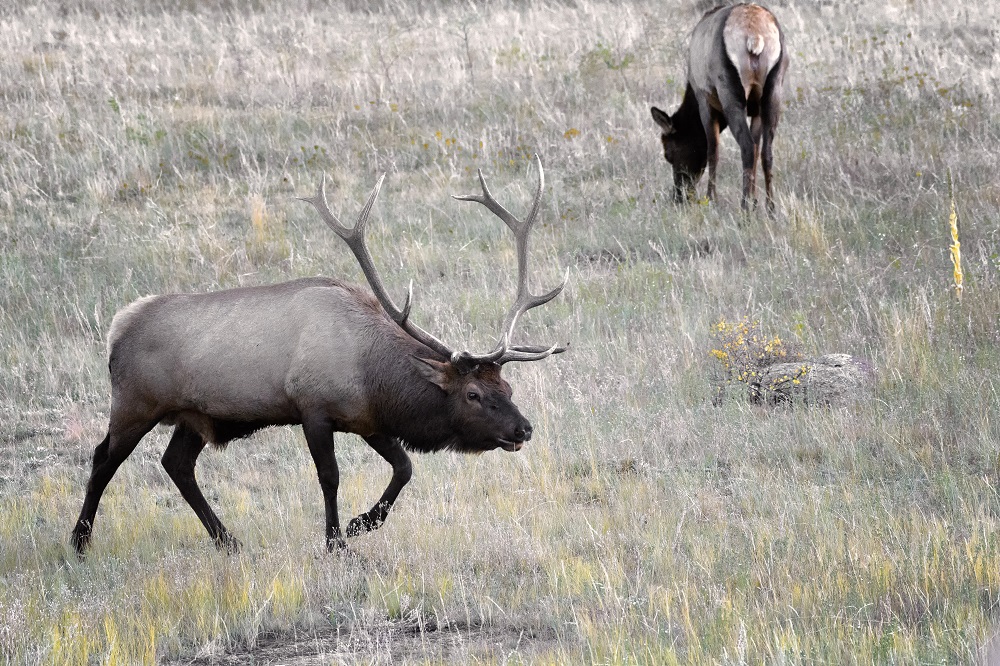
<point>743,351</point>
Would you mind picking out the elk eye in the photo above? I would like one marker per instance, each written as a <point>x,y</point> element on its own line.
<point>472,395</point>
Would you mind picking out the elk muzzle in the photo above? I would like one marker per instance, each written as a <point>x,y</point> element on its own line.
<point>522,433</point>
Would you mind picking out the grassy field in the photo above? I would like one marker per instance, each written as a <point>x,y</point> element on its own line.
<point>159,147</point>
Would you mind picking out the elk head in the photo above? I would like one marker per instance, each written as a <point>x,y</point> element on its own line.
<point>685,148</point>
<point>482,415</point>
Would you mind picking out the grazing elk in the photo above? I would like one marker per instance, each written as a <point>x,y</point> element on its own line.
<point>736,63</point>
<point>317,352</point>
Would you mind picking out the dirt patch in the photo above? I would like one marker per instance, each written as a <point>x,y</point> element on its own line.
<point>385,643</point>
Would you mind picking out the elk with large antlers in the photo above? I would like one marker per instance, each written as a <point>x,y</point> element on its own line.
<point>317,352</point>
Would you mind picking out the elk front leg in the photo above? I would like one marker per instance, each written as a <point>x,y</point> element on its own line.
<point>710,121</point>
<point>319,436</point>
<point>179,460</point>
<point>390,449</point>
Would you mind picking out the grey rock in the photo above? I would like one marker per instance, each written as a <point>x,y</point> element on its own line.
<point>831,379</point>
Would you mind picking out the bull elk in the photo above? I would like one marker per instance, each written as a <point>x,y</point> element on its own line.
<point>736,62</point>
<point>317,352</point>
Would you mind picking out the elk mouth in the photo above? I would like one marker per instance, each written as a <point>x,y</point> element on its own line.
<point>510,445</point>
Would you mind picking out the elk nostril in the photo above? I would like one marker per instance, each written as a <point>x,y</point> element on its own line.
<point>523,432</point>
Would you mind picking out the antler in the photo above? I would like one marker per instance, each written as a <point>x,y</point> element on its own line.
<point>463,361</point>
<point>355,239</point>
<point>525,300</point>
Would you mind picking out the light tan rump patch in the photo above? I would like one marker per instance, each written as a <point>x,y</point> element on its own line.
<point>753,44</point>
<point>124,317</point>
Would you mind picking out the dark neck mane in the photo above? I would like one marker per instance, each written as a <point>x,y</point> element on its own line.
<point>688,119</point>
<point>408,407</point>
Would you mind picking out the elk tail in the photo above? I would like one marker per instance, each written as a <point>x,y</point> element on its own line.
<point>755,44</point>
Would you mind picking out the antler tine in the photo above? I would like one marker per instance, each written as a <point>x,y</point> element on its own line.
<point>524,300</point>
<point>531,353</point>
<point>486,198</point>
<point>355,239</point>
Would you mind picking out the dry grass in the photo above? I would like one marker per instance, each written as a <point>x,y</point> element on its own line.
<point>159,147</point>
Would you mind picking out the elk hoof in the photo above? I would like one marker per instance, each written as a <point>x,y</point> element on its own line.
<point>80,543</point>
<point>228,544</point>
<point>80,538</point>
<point>362,525</point>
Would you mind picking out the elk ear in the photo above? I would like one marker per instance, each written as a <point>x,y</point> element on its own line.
<point>435,372</point>
<point>662,119</point>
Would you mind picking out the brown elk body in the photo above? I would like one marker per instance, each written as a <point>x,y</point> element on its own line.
<point>317,352</point>
<point>736,63</point>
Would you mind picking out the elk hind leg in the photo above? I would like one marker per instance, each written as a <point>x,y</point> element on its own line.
<point>756,130</point>
<point>735,109</point>
<point>118,444</point>
<point>770,113</point>
<point>402,469</point>
<point>179,460</point>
